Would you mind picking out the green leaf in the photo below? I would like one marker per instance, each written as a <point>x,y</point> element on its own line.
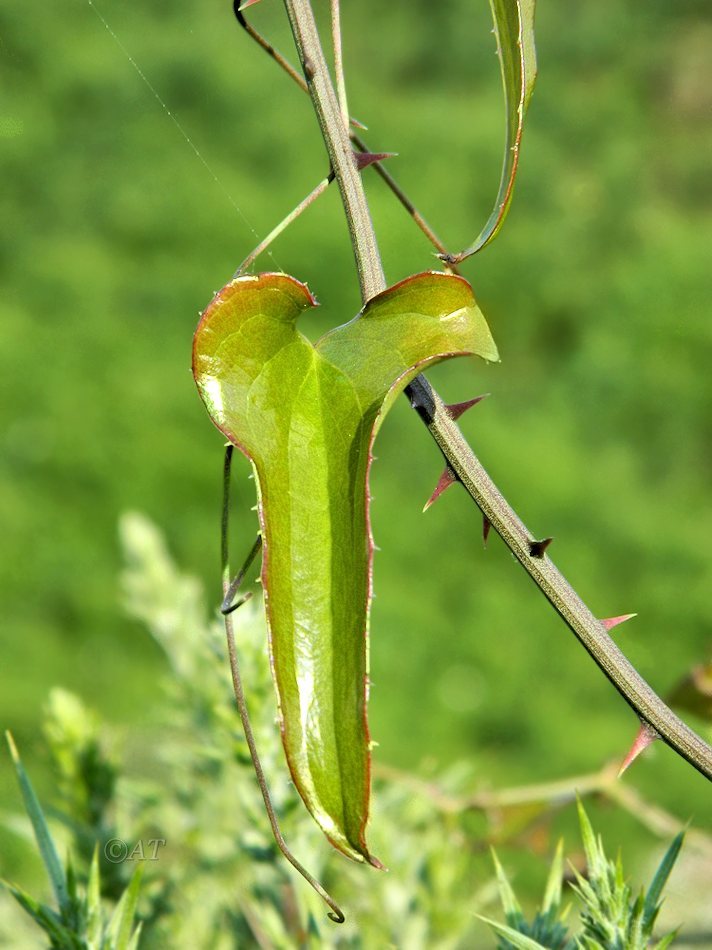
<point>512,908</point>
<point>666,941</point>
<point>121,924</point>
<point>43,837</point>
<point>657,885</point>
<point>517,939</point>
<point>514,30</point>
<point>595,858</point>
<point>93,900</point>
<point>47,918</point>
<point>306,416</point>
<point>552,892</point>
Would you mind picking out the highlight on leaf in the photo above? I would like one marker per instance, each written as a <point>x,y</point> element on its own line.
<point>306,415</point>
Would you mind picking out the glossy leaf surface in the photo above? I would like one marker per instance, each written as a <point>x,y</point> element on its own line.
<point>306,415</point>
<point>514,30</point>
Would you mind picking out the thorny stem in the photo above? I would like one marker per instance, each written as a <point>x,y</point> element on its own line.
<point>459,456</point>
<point>378,167</point>
<point>336,914</point>
<point>338,144</point>
<point>386,176</point>
<point>590,631</point>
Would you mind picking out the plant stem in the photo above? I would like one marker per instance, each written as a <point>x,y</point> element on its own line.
<point>459,456</point>
<point>338,144</point>
<point>339,61</point>
<point>378,167</point>
<point>588,628</point>
<point>555,794</point>
<point>284,224</point>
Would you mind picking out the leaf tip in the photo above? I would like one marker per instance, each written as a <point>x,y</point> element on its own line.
<point>12,747</point>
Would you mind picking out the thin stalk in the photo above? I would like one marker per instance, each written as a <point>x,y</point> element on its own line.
<point>336,138</point>
<point>229,603</point>
<point>284,224</point>
<point>555,794</point>
<point>339,61</point>
<point>336,914</point>
<point>589,630</point>
<point>268,48</point>
<point>379,168</point>
<point>405,201</point>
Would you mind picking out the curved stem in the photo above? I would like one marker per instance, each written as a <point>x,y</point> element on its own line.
<point>589,629</point>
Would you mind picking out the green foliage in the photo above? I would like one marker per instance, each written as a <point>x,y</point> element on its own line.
<point>610,918</point>
<point>547,928</point>
<point>222,880</point>
<point>80,921</point>
<point>112,228</point>
<point>306,415</point>
<point>219,881</point>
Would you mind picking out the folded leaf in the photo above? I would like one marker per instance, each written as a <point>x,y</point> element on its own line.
<point>306,416</point>
<point>514,30</point>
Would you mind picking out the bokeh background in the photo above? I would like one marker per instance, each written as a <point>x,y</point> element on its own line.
<point>114,234</point>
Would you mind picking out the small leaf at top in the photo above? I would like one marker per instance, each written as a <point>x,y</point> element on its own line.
<point>514,30</point>
<point>306,416</point>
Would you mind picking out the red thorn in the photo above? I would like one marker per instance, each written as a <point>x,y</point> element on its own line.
<point>610,622</point>
<point>364,159</point>
<point>538,548</point>
<point>456,409</point>
<point>486,525</point>
<point>447,479</point>
<point>245,4</point>
<point>357,124</point>
<point>646,735</point>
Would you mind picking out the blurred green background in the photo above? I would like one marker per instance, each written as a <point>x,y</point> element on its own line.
<point>115,234</point>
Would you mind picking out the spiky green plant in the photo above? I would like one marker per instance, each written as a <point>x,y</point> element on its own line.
<point>610,917</point>
<point>80,920</point>
<point>220,882</point>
